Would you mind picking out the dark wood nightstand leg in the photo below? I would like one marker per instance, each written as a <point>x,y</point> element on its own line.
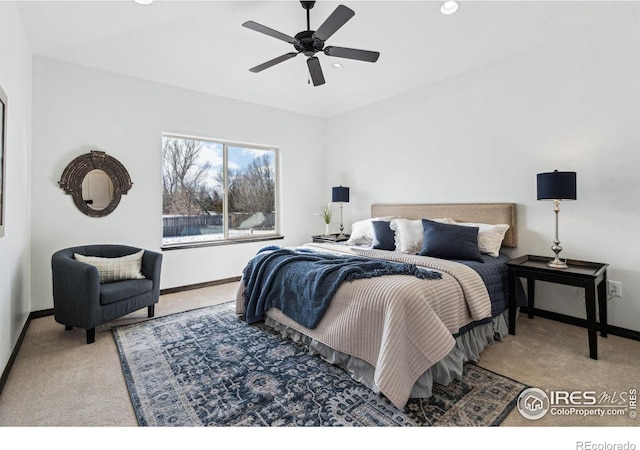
<point>531,295</point>
<point>590,299</point>
<point>511,279</point>
<point>602,306</point>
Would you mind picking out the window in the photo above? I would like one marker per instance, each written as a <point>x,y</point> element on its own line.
<point>216,191</point>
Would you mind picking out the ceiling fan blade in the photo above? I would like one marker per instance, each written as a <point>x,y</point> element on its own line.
<point>273,62</point>
<point>269,32</point>
<point>315,71</point>
<point>337,18</point>
<point>352,53</point>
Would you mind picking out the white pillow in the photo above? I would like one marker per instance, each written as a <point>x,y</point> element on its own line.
<point>113,269</point>
<point>490,237</point>
<point>410,234</point>
<point>362,231</point>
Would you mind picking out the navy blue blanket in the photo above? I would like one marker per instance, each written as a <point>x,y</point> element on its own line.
<point>301,283</point>
<point>493,272</point>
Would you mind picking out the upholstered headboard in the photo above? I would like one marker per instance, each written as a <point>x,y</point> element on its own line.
<point>492,213</point>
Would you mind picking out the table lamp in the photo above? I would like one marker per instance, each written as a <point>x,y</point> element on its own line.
<point>557,186</point>
<point>340,194</point>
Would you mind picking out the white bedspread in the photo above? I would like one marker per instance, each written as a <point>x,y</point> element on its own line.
<point>399,324</point>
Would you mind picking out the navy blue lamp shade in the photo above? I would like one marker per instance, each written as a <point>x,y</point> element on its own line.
<point>557,186</point>
<point>340,194</point>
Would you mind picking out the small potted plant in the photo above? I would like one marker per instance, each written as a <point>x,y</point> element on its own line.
<point>325,212</point>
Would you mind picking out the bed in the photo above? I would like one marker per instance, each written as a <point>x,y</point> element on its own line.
<point>400,332</point>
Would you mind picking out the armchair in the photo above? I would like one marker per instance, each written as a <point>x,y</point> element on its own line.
<point>79,298</point>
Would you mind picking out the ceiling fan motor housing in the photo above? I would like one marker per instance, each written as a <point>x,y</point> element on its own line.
<point>307,44</point>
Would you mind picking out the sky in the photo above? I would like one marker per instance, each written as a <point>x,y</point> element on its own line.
<point>238,157</point>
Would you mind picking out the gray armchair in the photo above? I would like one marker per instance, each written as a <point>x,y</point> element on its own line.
<point>81,301</point>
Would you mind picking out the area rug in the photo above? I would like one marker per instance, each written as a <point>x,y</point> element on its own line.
<point>206,367</point>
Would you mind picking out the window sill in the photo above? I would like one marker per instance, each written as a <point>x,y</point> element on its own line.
<point>185,245</point>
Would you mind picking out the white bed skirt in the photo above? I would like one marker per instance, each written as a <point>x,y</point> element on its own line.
<point>467,348</point>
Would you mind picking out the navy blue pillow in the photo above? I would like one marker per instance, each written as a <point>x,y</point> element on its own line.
<point>383,235</point>
<point>448,241</point>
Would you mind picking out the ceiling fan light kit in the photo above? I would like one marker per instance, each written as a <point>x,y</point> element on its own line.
<point>310,42</point>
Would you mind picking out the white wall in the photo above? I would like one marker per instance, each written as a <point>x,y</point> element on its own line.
<point>78,109</point>
<point>483,136</point>
<point>15,247</point>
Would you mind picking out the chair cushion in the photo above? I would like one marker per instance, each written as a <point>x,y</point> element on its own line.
<point>122,290</point>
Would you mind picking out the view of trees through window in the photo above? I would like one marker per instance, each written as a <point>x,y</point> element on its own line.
<point>215,190</point>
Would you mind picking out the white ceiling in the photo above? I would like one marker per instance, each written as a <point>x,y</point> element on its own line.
<point>202,45</point>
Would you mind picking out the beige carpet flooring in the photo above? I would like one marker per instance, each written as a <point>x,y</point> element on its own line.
<point>58,380</point>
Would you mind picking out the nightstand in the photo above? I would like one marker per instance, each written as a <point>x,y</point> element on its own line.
<point>330,238</point>
<point>591,276</point>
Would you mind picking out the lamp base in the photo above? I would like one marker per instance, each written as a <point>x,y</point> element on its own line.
<point>557,263</point>
<point>341,235</point>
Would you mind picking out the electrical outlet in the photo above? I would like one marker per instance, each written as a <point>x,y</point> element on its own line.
<point>614,288</point>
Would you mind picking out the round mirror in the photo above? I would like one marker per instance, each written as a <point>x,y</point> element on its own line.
<point>96,182</point>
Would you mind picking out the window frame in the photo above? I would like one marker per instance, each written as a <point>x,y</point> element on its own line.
<point>226,240</point>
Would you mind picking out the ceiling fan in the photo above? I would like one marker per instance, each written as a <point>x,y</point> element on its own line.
<point>310,42</point>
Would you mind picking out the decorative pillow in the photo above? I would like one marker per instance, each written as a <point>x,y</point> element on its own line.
<point>362,231</point>
<point>383,235</point>
<point>410,234</point>
<point>448,241</point>
<point>114,269</point>
<point>490,237</point>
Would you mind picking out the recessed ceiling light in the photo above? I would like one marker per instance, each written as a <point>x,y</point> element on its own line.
<point>337,66</point>
<point>143,2</point>
<point>449,7</point>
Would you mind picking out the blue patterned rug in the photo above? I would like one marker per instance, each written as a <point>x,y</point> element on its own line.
<point>206,367</point>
